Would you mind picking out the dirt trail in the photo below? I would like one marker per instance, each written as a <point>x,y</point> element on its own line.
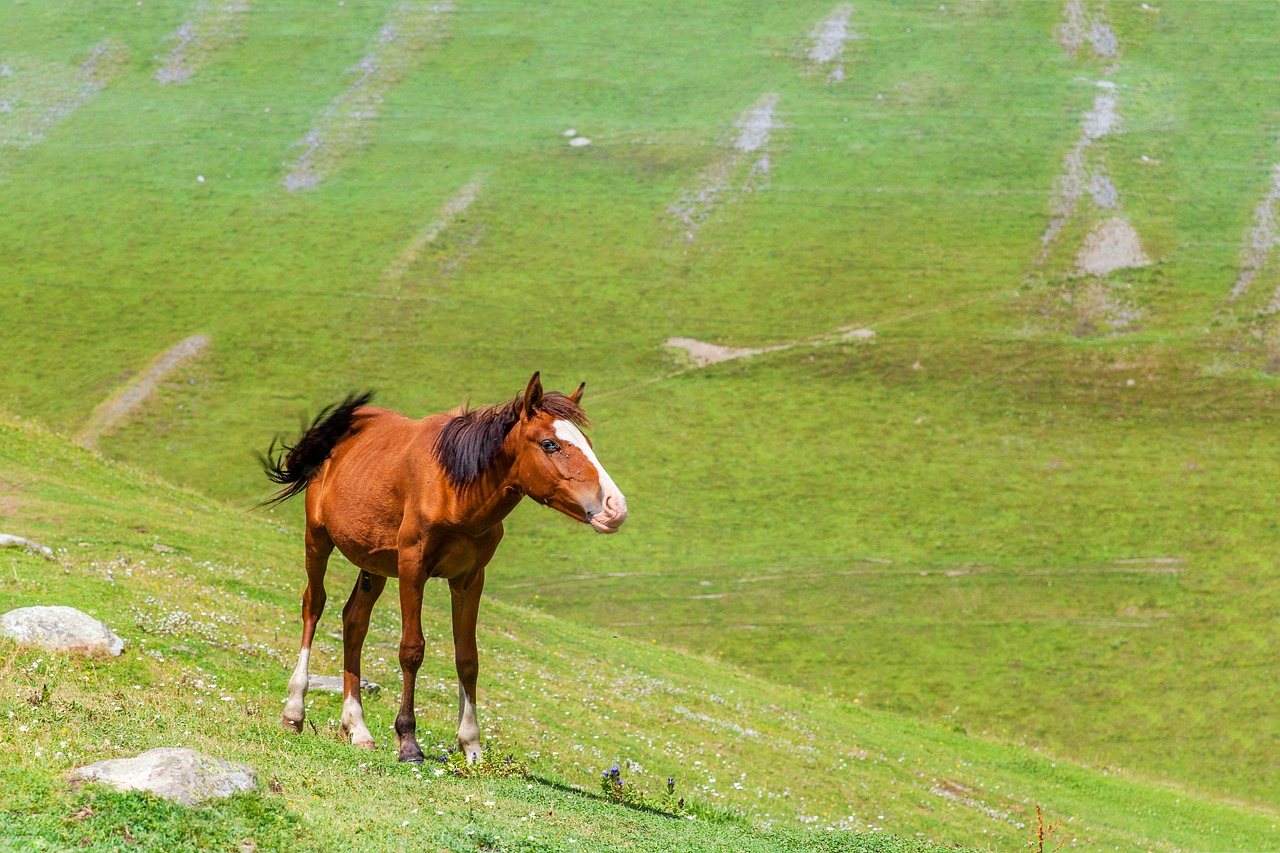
<point>120,405</point>
<point>826,48</point>
<point>345,125</point>
<point>409,255</point>
<point>737,170</point>
<point>1079,28</point>
<point>701,353</point>
<point>212,26</point>
<point>35,98</point>
<point>1260,239</point>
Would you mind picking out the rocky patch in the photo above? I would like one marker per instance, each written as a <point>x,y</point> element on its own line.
<point>184,775</point>
<point>60,629</point>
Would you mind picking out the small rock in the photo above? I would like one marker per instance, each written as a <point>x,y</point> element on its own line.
<point>860,335</point>
<point>163,549</point>
<point>579,141</point>
<point>333,684</point>
<point>176,774</point>
<point>60,629</point>
<point>7,541</point>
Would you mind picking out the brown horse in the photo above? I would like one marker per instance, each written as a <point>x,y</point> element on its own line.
<point>415,499</point>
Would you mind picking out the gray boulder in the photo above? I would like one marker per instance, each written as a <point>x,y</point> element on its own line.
<point>184,775</point>
<point>60,629</point>
<point>9,541</point>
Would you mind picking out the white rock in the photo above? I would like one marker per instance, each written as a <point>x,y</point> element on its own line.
<point>60,629</point>
<point>333,684</point>
<point>860,335</point>
<point>7,541</point>
<point>579,141</point>
<point>176,774</point>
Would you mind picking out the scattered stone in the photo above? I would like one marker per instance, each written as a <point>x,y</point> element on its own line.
<point>579,141</point>
<point>1111,245</point>
<point>184,775</point>
<point>333,684</point>
<point>60,629</point>
<point>163,549</point>
<point>8,541</point>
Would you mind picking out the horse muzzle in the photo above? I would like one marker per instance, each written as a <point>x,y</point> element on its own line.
<point>610,519</point>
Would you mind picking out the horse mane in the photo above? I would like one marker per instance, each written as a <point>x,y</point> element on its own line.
<point>470,442</point>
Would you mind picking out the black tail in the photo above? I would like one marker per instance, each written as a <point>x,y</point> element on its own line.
<point>293,465</point>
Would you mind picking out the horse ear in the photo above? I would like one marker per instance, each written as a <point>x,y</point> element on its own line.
<point>576,396</point>
<point>532,395</point>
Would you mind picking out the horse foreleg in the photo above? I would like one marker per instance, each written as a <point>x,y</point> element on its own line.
<point>412,646</point>
<point>355,625</point>
<point>319,547</point>
<point>465,596</point>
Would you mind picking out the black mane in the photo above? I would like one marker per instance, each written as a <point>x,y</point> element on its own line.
<point>471,441</point>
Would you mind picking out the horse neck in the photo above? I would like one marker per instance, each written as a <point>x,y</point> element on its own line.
<point>491,498</point>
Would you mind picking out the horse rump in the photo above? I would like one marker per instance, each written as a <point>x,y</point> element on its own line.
<point>292,465</point>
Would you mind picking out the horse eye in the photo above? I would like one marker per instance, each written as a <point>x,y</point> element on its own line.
<point>549,445</point>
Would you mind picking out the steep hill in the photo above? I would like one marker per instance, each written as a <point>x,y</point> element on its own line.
<point>206,600</point>
<point>1037,502</point>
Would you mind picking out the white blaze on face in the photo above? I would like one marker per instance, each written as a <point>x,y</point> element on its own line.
<point>608,517</point>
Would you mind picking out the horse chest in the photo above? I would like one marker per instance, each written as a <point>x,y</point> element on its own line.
<point>453,558</point>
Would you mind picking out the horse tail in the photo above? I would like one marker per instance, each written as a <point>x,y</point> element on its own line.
<point>293,466</point>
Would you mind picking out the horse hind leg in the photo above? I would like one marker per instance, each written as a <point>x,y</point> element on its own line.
<point>355,625</point>
<point>319,547</point>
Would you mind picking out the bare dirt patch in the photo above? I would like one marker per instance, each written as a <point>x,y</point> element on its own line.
<point>738,169</point>
<point>212,26</point>
<point>120,405</point>
<point>1112,244</point>
<point>36,96</point>
<point>345,125</point>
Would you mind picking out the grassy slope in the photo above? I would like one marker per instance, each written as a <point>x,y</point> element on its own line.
<point>210,628</point>
<point>975,515</point>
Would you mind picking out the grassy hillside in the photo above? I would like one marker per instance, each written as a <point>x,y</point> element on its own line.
<point>1035,505</point>
<point>211,627</point>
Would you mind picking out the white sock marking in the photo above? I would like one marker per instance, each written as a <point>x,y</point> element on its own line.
<point>294,708</point>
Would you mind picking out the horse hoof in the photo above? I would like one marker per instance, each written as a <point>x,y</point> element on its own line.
<point>365,744</point>
<point>412,759</point>
<point>290,725</point>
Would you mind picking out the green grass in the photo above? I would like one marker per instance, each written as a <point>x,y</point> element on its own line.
<point>211,626</point>
<point>952,542</point>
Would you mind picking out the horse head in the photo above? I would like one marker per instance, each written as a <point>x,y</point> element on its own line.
<point>555,463</point>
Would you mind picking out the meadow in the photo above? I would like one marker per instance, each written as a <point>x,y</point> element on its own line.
<point>1035,506</point>
<point>205,598</point>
